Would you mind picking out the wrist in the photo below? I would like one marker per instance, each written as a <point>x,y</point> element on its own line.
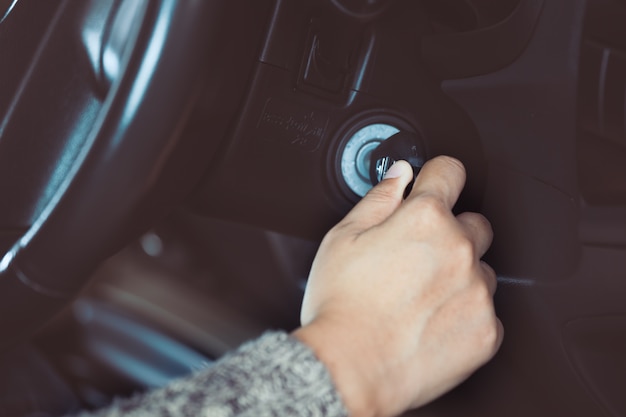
<point>347,366</point>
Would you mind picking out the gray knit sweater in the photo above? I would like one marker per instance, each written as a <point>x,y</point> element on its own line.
<point>275,375</point>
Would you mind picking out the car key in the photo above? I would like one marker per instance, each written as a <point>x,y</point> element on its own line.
<point>401,146</point>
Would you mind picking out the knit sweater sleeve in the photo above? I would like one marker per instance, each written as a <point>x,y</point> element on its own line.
<point>273,376</point>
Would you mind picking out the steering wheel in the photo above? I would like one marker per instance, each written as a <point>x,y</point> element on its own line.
<point>104,105</point>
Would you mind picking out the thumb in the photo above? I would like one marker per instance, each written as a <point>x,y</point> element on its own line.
<point>382,200</point>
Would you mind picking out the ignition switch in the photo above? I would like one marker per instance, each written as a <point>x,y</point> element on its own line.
<point>371,150</point>
<point>401,146</point>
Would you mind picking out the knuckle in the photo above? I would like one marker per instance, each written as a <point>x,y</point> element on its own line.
<point>489,338</point>
<point>487,334</point>
<point>453,162</point>
<point>483,296</point>
<point>477,222</point>
<point>485,222</point>
<point>381,193</point>
<point>464,251</point>
<point>479,296</point>
<point>490,273</point>
<point>337,233</point>
<point>485,225</point>
<point>481,222</point>
<point>430,207</point>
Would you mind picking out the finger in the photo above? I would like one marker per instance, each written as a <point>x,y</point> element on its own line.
<point>478,230</point>
<point>495,343</point>
<point>442,177</point>
<point>500,333</point>
<point>382,200</point>
<point>491,279</point>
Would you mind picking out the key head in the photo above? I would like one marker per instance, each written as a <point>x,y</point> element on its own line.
<point>403,145</point>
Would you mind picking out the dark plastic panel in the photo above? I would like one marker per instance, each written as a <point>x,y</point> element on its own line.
<point>471,53</point>
<point>453,16</point>
<point>602,109</point>
<point>29,386</point>
<point>526,116</point>
<point>602,169</point>
<point>605,22</point>
<point>603,225</point>
<point>362,9</point>
<point>596,347</point>
<point>592,63</point>
<point>526,112</point>
<point>615,97</point>
<point>286,143</point>
<point>603,91</point>
<point>535,227</point>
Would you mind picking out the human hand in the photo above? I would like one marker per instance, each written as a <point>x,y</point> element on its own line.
<point>399,305</point>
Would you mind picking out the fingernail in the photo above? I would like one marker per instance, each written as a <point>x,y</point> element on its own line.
<point>395,171</point>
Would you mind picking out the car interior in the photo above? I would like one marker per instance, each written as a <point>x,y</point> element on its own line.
<point>169,167</point>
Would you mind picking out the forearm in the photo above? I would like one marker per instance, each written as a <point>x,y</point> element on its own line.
<point>272,376</point>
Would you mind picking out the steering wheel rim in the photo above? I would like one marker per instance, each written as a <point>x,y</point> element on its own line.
<point>135,142</point>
